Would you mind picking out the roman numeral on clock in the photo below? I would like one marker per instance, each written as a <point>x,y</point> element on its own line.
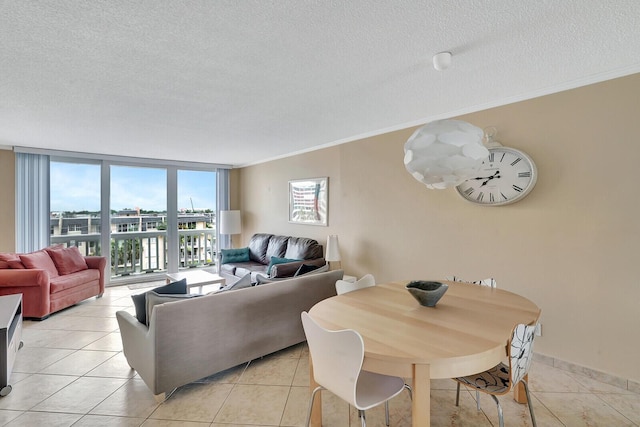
<point>518,189</point>
<point>491,198</point>
<point>468,191</point>
<point>515,161</point>
<point>480,196</point>
<point>524,174</point>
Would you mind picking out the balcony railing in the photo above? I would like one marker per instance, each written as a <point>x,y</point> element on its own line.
<point>146,251</point>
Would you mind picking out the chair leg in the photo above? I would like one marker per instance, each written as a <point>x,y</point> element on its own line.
<point>313,396</point>
<point>408,387</point>
<point>458,397</point>
<point>526,390</point>
<point>386,413</point>
<point>500,417</point>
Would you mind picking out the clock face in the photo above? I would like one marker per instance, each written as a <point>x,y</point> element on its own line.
<point>505,177</point>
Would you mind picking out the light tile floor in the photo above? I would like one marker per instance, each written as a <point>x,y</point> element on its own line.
<point>71,371</point>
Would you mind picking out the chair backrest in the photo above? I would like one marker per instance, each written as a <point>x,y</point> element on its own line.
<point>490,282</point>
<point>521,351</point>
<point>336,356</point>
<point>342,286</point>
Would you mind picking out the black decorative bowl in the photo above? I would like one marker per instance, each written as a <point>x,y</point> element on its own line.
<point>427,293</point>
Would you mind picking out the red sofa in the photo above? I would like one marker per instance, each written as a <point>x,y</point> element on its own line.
<point>51,279</point>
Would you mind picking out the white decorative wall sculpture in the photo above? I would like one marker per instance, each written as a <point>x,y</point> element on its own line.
<point>445,153</point>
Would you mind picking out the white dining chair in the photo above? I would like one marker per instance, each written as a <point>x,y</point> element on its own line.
<point>502,378</point>
<point>337,358</point>
<point>489,282</point>
<point>343,286</point>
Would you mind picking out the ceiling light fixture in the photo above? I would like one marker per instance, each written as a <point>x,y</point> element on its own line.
<point>445,153</point>
<point>442,61</point>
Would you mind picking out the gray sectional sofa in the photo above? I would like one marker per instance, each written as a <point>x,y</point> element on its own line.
<point>194,338</point>
<point>261,251</point>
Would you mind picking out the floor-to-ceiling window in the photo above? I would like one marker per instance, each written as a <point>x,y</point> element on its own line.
<point>137,219</point>
<point>159,218</point>
<point>196,199</point>
<point>74,200</point>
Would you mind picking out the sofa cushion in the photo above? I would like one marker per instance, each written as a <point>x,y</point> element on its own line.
<point>245,282</point>
<point>234,255</point>
<point>277,260</point>
<point>228,268</point>
<point>18,265</point>
<point>258,248</point>
<point>9,256</point>
<point>303,248</point>
<point>67,260</point>
<point>289,269</point>
<point>10,260</point>
<point>277,247</point>
<point>40,260</point>
<point>242,269</point>
<point>79,278</point>
<point>154,298</point>
<point>140,300</point>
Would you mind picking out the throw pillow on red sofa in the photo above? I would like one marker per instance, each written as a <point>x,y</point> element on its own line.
<point>10,260</point>
<point>67,260</point>
<point>40,260</point>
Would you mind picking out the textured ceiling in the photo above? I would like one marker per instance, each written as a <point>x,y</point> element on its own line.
<point>244,81</point>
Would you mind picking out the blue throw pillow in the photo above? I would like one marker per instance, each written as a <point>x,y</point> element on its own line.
<point>140,300</point>
<point>235,255</point>
<point>276,260</point>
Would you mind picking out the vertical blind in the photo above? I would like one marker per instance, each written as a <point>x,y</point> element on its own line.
<point>224,240</point>
<point>32,202</point>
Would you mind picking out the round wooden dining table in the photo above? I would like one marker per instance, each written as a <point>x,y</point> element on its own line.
<point>465,333</point>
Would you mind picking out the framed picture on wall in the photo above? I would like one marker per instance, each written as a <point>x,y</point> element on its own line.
<point>308,201</point>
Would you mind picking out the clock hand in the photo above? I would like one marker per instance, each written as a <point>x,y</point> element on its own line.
<point>489,178</point>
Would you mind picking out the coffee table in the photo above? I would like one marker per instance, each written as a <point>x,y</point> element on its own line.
<point>196,278</point>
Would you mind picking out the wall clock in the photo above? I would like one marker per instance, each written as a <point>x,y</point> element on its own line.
<point>507,176</point>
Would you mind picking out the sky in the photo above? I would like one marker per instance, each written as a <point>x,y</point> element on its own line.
<point>76,187</point>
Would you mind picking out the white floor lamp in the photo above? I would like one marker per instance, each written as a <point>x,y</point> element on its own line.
<point>229,224</point>
<point>333,253</point>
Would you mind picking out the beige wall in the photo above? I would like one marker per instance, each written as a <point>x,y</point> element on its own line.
<point>570,246</point>
<point>7,201</point>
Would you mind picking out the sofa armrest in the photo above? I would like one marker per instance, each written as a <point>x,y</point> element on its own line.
<point>288,269</point>
<point>24,277</point>
<point>138,345</point>
<point>98,263</point>
<point>34,286</point>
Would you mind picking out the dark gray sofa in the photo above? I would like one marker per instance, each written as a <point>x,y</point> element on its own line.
<point>262,247</point>
<point>193,338</point>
